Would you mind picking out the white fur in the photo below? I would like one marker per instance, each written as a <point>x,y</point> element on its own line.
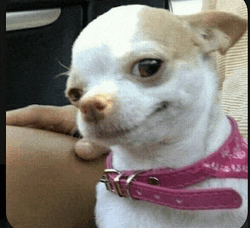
<point>192,127</point>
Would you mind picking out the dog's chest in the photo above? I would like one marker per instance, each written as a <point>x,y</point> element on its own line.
<point>114,211</point>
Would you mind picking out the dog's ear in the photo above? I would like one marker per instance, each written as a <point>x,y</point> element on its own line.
<point>217,30</point>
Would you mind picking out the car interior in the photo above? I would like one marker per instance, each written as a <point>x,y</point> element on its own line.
<point>38,54</point>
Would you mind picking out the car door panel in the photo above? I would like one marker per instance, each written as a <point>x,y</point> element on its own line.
<point>33,57</point>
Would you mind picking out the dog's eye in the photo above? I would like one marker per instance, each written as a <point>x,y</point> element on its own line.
<point>146,67</point>
<point>75,94</point>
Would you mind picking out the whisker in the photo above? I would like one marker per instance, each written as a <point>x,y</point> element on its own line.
<point>66,73</point>
<point>67,68</point>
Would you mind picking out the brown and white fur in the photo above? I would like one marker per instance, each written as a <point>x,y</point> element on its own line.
<point>170,118</point>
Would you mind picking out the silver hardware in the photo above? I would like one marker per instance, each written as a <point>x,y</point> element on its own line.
<point>128,182</point>
<point>153,181</point>
<point>118,185</point>
<point>105,178</point>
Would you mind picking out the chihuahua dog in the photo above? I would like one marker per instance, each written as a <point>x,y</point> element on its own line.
<point>145,85</point>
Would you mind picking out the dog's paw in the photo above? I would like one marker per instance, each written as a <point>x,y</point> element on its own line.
<point>87,149</point>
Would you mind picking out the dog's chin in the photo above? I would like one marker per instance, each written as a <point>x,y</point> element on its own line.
<point>112,135</point>
<point>107,135</point>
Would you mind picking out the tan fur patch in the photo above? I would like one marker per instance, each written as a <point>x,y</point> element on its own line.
<point>168,29</point>
<point>232,26</point>
<point>222,21</point>
<point>181,35</point>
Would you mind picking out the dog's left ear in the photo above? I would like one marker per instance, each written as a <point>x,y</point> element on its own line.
<point>217,30</point>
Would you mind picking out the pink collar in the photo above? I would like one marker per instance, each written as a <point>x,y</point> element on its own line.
<point>166,186</point>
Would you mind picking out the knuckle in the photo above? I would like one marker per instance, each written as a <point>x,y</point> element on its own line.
<point>34,110</point>
<point>33,107</point>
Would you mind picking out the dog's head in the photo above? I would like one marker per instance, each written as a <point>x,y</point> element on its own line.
<point>144,74</point>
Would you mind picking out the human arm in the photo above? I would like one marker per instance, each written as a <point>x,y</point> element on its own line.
<point>56,119</point>
<point>46,184</point>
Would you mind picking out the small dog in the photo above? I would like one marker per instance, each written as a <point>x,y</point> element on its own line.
<point>146,86</point>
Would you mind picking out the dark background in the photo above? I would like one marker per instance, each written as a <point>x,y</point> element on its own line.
<point>33,55</point>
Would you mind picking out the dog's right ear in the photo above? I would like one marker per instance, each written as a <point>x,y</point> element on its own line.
<point>217,30</point>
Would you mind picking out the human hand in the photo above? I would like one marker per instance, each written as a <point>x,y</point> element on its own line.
<point>57,119</point>
<point>51,118</point>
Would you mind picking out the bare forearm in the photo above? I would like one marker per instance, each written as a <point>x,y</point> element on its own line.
<point>47,185</point>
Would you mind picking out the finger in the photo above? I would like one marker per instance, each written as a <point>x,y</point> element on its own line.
<point>29,115</point>
<point>59,119</point>
<point>18,117</point>
<point>88,150</point>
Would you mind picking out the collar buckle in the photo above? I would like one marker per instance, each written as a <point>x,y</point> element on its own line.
<point>105,179</point>
<point>118,188</point>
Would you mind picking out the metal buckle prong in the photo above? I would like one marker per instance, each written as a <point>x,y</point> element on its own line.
<point>118,185</point>
<point>106,181</point>
<point>105,178</point>
<point>128,182</point>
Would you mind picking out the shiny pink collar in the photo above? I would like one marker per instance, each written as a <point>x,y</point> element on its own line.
<point>166,186</point>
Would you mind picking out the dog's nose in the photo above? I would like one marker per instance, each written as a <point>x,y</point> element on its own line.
<point>96,108</point>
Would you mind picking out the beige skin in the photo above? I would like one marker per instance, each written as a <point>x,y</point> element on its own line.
<point>47,184</point>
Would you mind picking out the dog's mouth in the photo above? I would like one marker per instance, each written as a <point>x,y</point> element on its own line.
<point>112,132</point>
